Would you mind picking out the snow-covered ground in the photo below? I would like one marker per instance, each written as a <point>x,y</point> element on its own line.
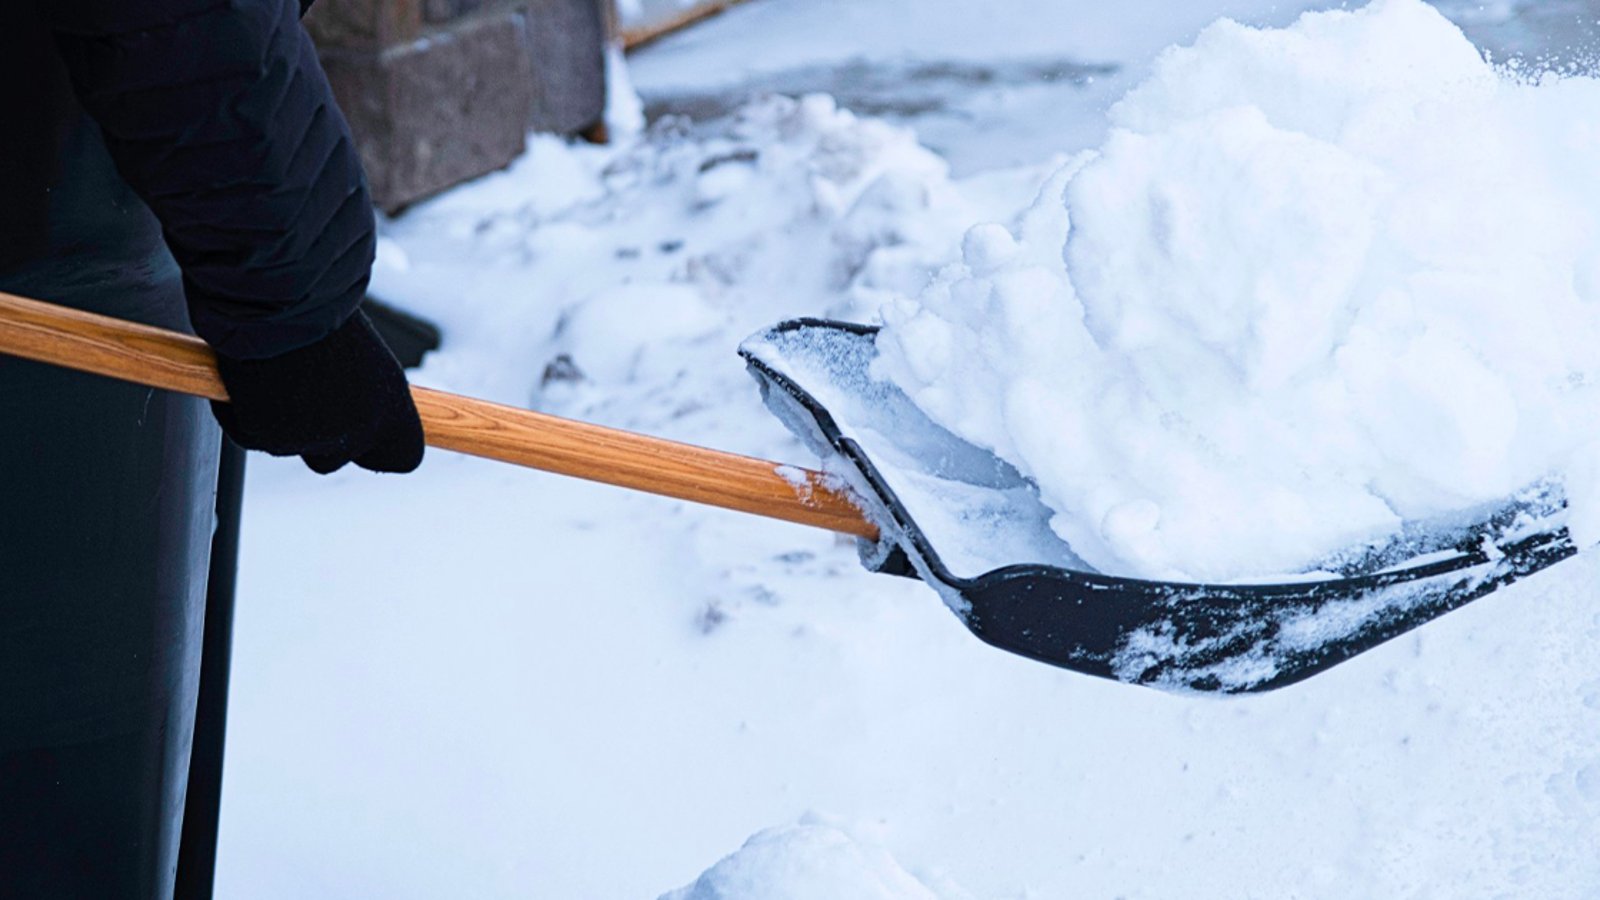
<point>483,682</point>
<point>985,84</point>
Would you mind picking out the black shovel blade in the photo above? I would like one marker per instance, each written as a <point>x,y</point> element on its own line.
<point>1049,606</point>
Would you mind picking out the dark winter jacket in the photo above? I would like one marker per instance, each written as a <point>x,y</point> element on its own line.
<point>216,113</point>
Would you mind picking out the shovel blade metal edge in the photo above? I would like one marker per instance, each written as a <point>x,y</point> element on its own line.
<point>1176,637</point>
<point>1206,638</point>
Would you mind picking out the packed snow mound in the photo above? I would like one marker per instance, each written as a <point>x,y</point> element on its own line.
<point>1318,281</point>
<point>805,862</point>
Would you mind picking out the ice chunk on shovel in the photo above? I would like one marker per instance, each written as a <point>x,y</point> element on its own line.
<point>901,485</point>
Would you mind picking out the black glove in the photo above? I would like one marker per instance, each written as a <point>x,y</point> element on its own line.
<point>339,400</point>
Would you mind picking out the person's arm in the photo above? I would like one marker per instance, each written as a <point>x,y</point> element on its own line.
<point>218,114</point>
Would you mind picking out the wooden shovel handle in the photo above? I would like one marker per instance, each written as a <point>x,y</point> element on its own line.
<point>177,362</point>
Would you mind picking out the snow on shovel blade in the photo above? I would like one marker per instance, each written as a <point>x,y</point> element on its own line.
<point>969,525</point>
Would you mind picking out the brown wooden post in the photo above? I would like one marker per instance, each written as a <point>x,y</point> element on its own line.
<point>659,18</point>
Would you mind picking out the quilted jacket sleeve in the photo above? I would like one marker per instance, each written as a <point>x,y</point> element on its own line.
<point>217,113</point>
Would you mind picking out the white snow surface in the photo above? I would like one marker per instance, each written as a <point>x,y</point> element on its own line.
<point>1319,281</point>
<point>479,681</point>
<point>986,85</point>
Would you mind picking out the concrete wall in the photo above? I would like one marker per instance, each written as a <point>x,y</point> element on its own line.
<point>440,91</point>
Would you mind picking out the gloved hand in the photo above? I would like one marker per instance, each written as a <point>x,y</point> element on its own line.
<point>339,400</point>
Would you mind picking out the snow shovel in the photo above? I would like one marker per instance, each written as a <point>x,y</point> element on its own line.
<point>1185,637</point>
<point>938,497</point>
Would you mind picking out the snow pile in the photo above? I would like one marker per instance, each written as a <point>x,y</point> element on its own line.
<point>675,244</point>
<point>1319,281</point>
<point>805,862</point>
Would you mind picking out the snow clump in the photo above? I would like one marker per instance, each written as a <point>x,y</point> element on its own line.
<point>1318,281</point>
<point>805,862</point>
